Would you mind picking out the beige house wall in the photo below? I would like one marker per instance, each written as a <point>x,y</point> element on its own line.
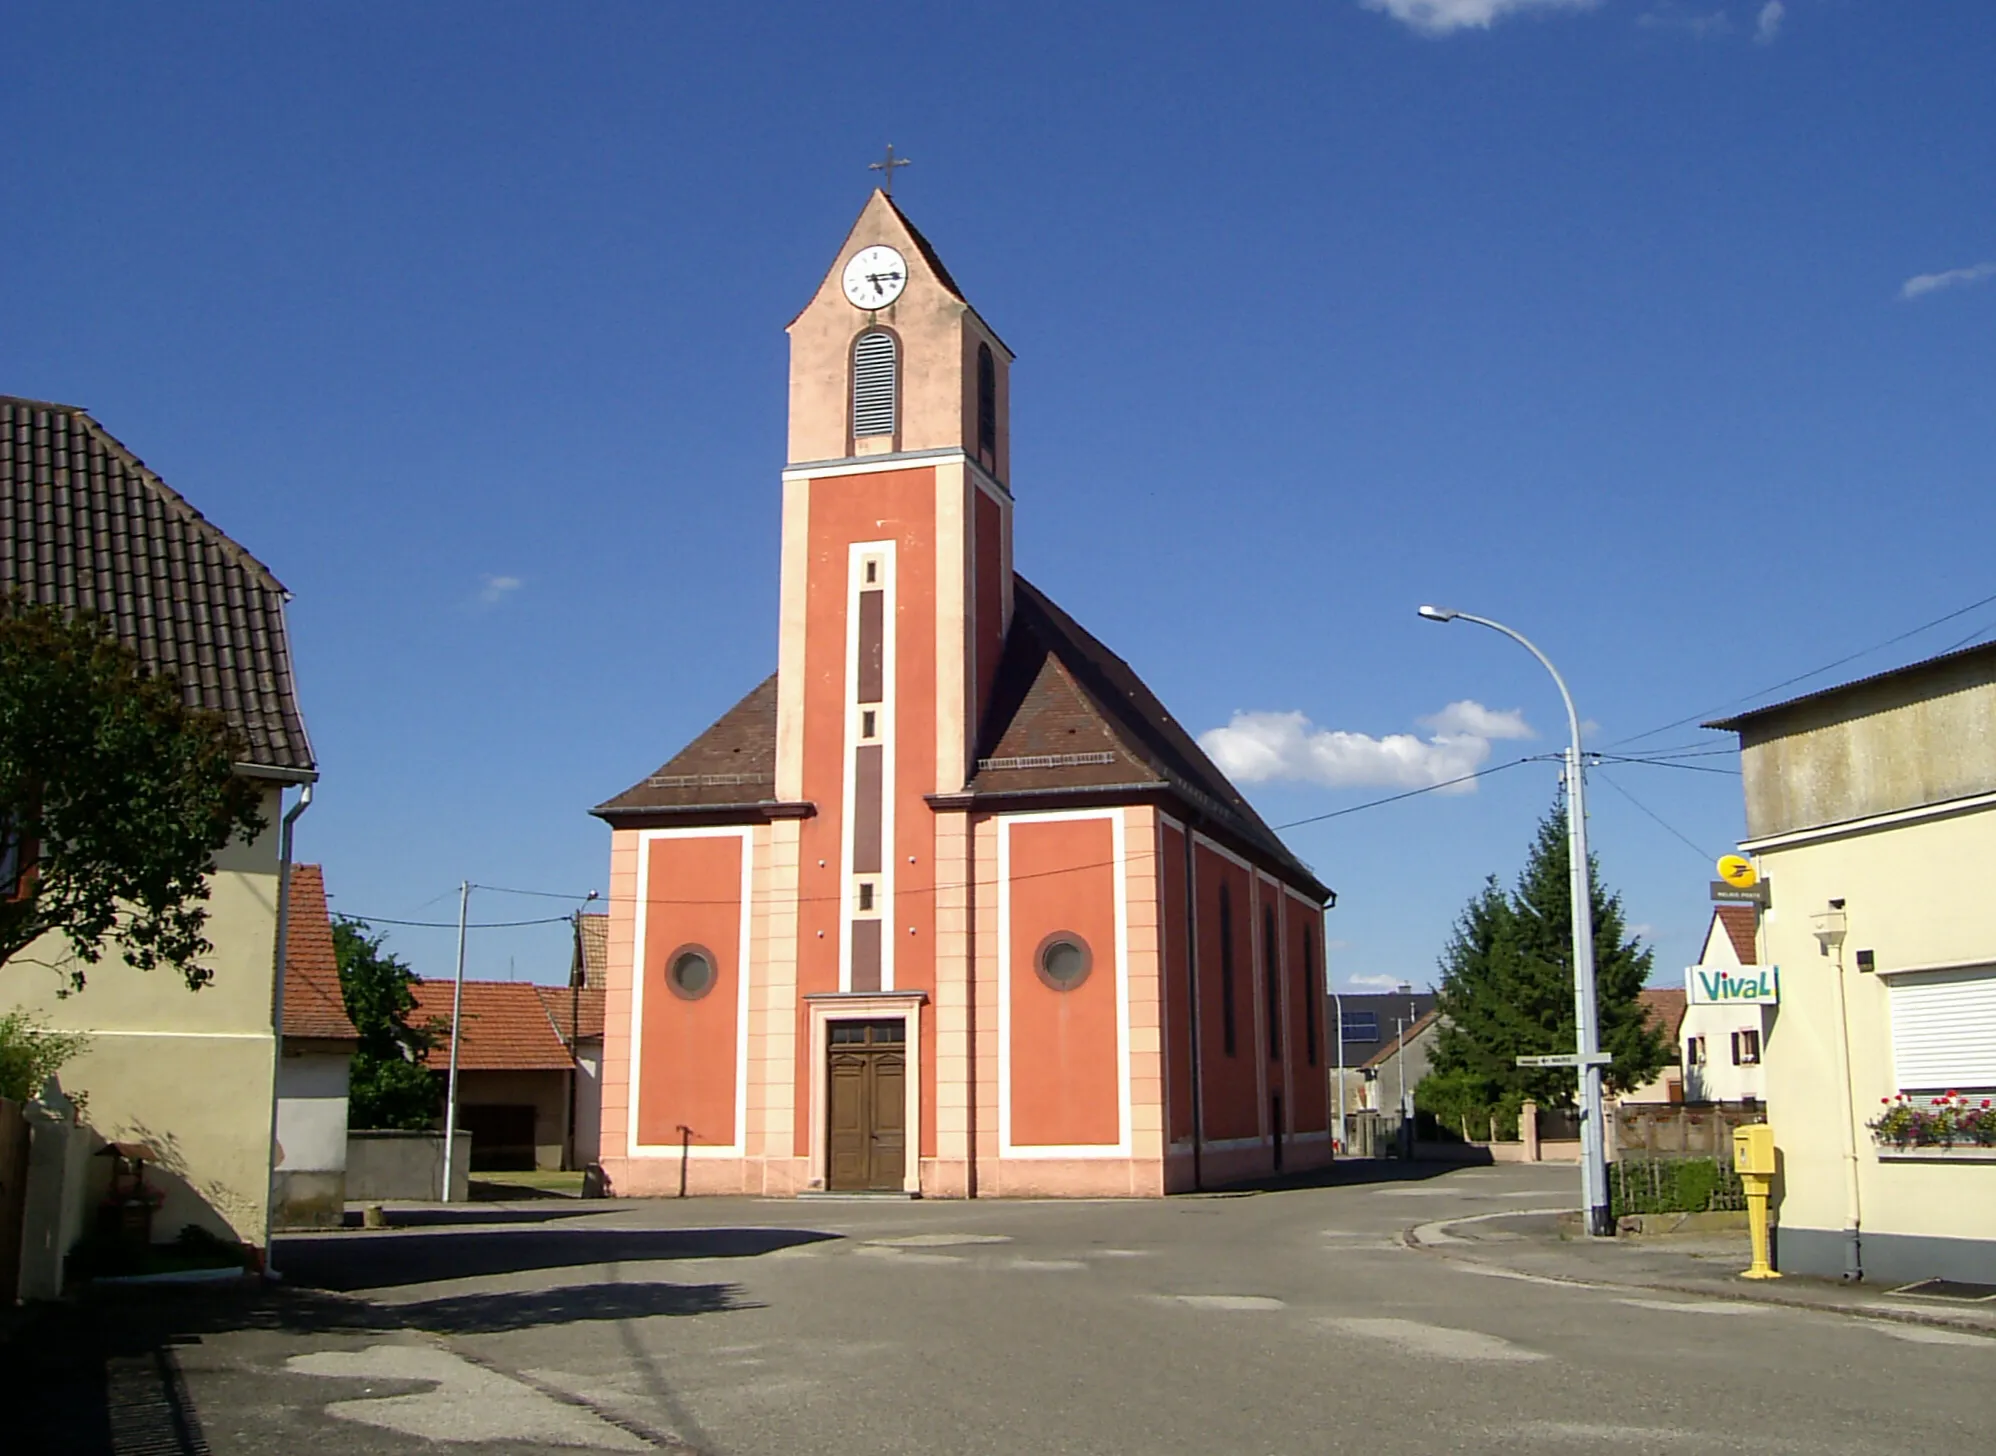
<point>1915,894</point>
<point>1924,737</point>
<point>187,1072</point>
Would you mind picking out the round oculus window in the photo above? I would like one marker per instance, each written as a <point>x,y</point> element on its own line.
<point>689,972</point>
<point>1063,960</point>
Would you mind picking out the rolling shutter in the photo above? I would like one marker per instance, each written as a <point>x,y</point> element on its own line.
<point>873,385</point>
<point>1944,1029</point>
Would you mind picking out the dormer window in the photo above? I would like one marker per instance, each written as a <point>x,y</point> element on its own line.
<point>874,369</point>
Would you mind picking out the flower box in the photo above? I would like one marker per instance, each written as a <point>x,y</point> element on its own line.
<point>1937,1129</point>
<point>1957,1154</point>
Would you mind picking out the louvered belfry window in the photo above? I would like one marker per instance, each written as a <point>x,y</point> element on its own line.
<point>873,382</point>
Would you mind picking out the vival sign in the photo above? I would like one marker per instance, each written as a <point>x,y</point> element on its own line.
<point>1733,985</point>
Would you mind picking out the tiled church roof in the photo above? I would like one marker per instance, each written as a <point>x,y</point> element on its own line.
<point>730,766</point>
<point>85,526</point>
<point>1067,716</point>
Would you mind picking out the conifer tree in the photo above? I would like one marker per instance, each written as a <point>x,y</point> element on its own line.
<point>1507,989</point>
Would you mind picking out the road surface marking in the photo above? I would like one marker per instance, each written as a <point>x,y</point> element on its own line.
<point>1438,1342</point>
<point>465,1403</point>
<point>1254,1302</point>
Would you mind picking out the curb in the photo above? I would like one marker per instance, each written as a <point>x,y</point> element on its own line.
<point>1426,1238</point>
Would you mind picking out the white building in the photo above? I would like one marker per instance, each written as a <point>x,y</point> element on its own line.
<point>1720,1045</point>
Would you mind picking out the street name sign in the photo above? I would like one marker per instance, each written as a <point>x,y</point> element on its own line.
<point>1567,1059</point>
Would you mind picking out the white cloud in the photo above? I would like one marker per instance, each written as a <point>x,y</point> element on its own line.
<point>1374,983</point>
<point>1467,719</point>
<point>1768,25</point>
<point>498,588</point>
<point>1922,284</point>
<point>1258,747</point>
<point>1444,17</point>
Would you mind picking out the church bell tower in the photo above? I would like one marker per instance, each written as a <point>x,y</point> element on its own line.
<point>896,578</point>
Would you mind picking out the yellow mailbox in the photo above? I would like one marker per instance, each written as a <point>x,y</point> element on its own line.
<point>1753,1160</point>
<point>1753,1150</point>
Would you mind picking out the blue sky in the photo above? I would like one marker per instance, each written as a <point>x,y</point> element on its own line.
<point>1607,320</point>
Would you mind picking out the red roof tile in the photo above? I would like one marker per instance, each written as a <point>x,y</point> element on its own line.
<point>595,949</point>
<point>506,1028</point>
<point>1665,1005</point>
<point>1739,923</point>
<point>558,1000</point>
<point>313,1004</point>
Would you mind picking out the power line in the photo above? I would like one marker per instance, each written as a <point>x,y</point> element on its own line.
<point>1665,763</point>
<point>1481,773</point>
<point>541,894</point>
<point>1666,824</point>
<point>1814,671</point>
<point>475,925</point>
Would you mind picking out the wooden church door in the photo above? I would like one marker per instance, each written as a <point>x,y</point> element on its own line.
<point>867,1124</point>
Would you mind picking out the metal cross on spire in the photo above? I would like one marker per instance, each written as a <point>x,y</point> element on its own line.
<point>886,169</point>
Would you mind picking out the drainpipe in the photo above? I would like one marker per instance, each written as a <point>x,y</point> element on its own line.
<point>1192,1001</point>
<point>277,1007</point>
<point>1829,931</point>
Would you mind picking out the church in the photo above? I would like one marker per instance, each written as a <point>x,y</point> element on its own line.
<point>948,905</point>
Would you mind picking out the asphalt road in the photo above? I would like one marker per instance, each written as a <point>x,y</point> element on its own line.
<point>1276,1322</point>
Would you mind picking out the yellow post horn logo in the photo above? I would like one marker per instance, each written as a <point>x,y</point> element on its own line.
<point>1738,871</point>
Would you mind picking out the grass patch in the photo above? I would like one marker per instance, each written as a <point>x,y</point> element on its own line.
<point>509,1187</point>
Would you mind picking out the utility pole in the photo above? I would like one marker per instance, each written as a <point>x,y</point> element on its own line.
<point>456,1011</point>
<point>1338,1145</point>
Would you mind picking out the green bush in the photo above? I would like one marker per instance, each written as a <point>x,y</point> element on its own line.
<point>31,1053</point>
<point>1673,1185</point>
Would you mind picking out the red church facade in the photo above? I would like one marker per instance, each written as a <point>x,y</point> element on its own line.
<point>950,904</point>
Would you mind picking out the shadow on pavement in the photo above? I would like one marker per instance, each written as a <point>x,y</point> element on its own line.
<point>458,1215</point>
<point>99,1376</point>
<point>1343,1173</point>
<point>348,1262</point>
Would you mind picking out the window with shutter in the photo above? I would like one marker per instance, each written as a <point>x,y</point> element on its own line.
<point>874,364</point>
<point>1944,1030</point>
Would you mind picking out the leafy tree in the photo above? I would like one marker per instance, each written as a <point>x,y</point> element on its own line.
<point>115,795</point>
<point>1507,990</point>
<point>389,1085</point>
<point>31,1053</point>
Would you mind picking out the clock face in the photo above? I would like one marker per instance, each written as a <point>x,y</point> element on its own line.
<point>875,277</point>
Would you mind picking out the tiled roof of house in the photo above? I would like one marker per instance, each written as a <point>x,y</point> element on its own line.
<point>1665,1005</point>
<point>1067,716</point>
<point>1407,1036</point>
<point>595,949</point>
<point>731,765</point>
<point>314,1007</point>
<point>506,1027</point>
<point>1739,923</point>
<point>558,1000</point>
<point>85,526</point>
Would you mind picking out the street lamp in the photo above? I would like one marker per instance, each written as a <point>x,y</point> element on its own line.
<point>1593,1151</point>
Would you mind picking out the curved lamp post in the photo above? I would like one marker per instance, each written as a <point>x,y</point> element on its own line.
<point>1593,1148</point>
